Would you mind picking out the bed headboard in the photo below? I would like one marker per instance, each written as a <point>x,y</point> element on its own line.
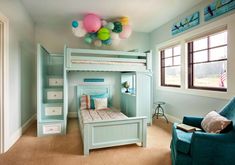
<point>93,90</point>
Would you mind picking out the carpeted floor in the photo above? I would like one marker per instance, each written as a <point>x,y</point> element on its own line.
<point>67,150</point>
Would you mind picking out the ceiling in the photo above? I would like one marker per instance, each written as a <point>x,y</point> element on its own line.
<point>144,15</point>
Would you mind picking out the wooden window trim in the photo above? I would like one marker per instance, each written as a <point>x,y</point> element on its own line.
<point>191,63</point>
<point>162,67</point>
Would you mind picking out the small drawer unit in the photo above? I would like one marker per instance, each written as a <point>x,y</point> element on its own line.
<point>51,128</point>
<point>54,95</point>
<point>55,81</point>
<point>53,111</point>
<point>51,114</point>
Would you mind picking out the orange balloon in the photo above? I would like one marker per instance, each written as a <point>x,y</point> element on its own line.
<point>124,20</point>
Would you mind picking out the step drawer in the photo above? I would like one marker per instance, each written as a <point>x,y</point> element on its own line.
<point>53,111</point>
<point>56,82</point>
<point>54,95</point>
<point>51,128</point>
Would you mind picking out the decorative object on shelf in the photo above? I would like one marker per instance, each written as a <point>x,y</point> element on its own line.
<point>217,8</point>
<point>186,23</point>
<point>93,80</point>
<point>98,32</point>
<point>127,86</point>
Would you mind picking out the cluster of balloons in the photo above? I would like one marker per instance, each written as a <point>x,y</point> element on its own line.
<point>100,32</point>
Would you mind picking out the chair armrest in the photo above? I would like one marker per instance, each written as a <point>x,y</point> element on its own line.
<point>193,121</point>
<point>208,148</point>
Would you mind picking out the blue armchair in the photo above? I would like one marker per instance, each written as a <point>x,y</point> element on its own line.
<point>201,148</point>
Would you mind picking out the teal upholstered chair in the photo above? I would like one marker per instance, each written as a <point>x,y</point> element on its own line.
<point>201,148</point>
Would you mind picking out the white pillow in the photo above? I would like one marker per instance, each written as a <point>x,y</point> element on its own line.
<point>214,122</point>
<point>101,103</point>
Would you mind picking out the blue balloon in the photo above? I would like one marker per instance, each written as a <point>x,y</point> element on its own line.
<point>75,24</point>
<point>107,42</point>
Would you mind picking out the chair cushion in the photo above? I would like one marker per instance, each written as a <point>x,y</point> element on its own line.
<point>179,158</point>
<point>214,122</point>
<point>181,139</point>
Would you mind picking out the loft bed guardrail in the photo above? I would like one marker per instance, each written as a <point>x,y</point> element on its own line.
<point>107,60</point>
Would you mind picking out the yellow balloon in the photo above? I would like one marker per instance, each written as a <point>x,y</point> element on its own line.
<point>124,20</point>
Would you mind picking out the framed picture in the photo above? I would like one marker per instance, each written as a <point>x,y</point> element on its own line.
<point>186,23</point>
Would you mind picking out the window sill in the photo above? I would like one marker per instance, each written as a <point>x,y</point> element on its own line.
<point>204,93</point>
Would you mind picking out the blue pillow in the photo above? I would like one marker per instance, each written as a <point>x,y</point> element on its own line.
<point>93,97</point>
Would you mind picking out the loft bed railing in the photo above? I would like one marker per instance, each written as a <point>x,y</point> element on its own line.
<point>107,60</point>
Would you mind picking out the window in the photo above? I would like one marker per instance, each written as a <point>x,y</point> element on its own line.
<point>208,62</point>
<point>170,66</point>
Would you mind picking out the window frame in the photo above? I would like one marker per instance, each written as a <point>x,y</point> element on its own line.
<point>162,64</point>
<point>207,49</point>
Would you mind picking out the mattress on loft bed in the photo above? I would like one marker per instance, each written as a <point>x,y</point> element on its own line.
<point>99,115</point>
<point>108,62</point>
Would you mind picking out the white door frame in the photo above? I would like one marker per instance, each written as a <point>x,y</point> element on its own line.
<point>4,81</point>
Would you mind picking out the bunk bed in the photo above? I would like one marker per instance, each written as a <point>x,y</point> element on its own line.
<point>107,132</point>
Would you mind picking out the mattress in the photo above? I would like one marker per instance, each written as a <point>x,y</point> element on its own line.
<point>99,115</point>
<point>108,62</point>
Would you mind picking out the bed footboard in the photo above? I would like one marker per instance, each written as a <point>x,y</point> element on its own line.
<point>102,134</point>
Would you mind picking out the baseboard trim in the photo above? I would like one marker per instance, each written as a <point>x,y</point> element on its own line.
<point>173,119</point>
<point>17,134</point>
<point>72,115</point>
<point>28,123</point>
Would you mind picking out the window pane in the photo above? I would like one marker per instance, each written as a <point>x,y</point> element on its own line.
<point>200,56</point>
<point>168,62</point>
<point>200,44</point>
<point>177,50</point>
<point>211,74</point>
<point>218,53</point>
<point>218,39</point>
<point>168,52</point>
<point>177,60</point>
<point>172,75</point>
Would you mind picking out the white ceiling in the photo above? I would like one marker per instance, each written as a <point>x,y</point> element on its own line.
<point>144,15</point>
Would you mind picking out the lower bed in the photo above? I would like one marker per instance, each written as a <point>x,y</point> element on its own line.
<point>110,127</point>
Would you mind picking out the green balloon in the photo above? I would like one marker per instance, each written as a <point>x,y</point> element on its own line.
<point>110,26</point>
<point>103,34</point>
<point>117,27</point>
<point>88,40</point>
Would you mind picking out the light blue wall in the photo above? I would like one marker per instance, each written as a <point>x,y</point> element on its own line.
<point>54,37</point>
<point>22,86</point>
<point>111,79</point>
<point>184,101</point>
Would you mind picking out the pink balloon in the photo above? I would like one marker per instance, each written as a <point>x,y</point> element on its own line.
<point>126,32</point>
<point>92,23</point>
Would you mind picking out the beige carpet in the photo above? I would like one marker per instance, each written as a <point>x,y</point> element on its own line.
<point>67,150</point>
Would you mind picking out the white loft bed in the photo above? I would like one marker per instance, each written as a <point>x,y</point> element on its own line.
<point>107,60</point>
<point>108,133</point>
